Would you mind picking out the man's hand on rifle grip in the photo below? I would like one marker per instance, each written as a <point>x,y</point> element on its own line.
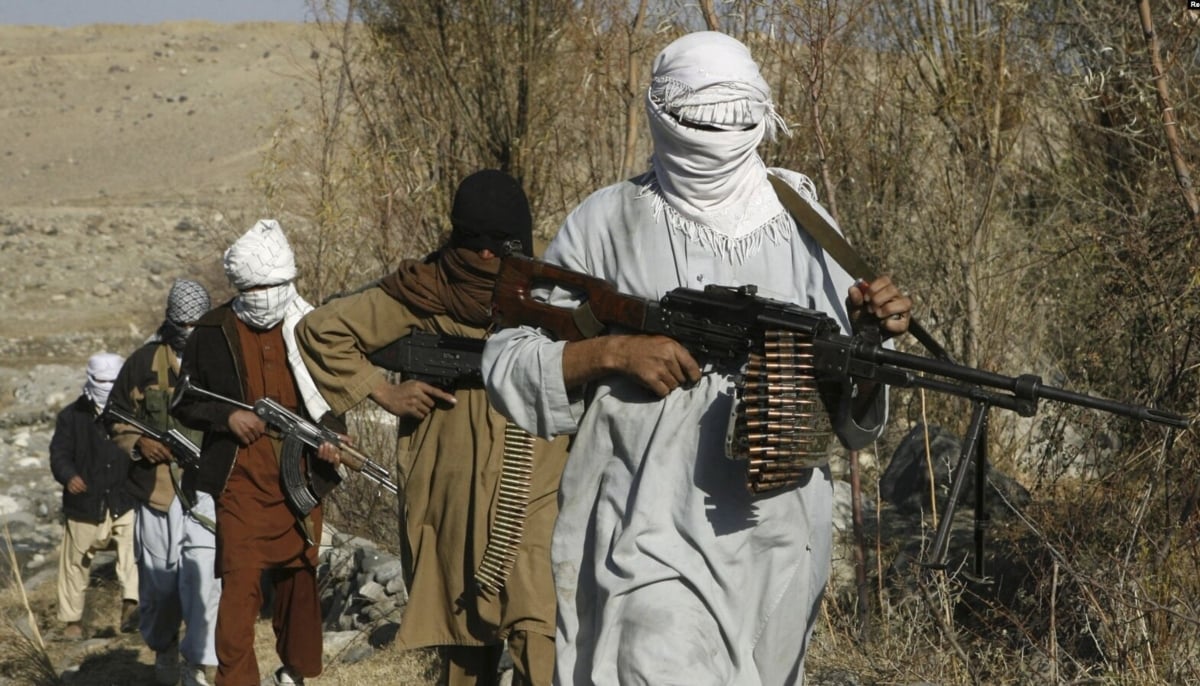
<point>152,451</point>
<point>659,363</point>
<point>247,426</point>
<point>411,399</point>
<point>882,299</point>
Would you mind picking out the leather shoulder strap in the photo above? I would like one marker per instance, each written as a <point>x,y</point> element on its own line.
<point>837,247</point>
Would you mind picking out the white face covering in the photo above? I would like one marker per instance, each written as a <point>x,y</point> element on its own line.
<point>712,177</point>
<point>102,370</point>
<point>266,307</point>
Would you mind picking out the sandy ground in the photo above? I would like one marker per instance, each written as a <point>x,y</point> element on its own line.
<point>124,151</point>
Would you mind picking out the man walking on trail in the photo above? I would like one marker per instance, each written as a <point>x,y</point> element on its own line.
<point>176,540</point>
<point>479,570</point>
<point>245,350</point>
<point>95,499</point>
<point>667,569</point>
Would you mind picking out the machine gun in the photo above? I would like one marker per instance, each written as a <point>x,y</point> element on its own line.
<point>185,452</point>
<point>726,326</point>
<point>448,362</point>
<point>297,432</point>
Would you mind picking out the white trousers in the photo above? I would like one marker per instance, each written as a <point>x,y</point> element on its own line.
<point>176,561</point>
<point>81,542</point>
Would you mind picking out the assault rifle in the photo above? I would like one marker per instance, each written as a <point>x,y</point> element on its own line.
<point>185,452</point>
<point>448,362</point>
<point>182,449</point>
<point>297,432</point>
<point>721,324</point>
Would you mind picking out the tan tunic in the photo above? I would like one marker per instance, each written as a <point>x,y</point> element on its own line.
<point>450,467</point>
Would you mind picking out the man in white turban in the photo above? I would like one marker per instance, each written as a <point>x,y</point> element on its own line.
<point>95,498</point>
<point>667,569</point>
<point>245,350</point>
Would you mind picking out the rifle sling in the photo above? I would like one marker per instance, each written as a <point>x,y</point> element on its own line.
<point>585,320</point>
<point>188,506</point>
<point>837,247</point>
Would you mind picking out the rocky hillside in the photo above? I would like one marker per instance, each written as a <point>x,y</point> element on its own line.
<point>123,149</point>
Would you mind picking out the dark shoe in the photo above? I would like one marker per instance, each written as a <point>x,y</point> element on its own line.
<point>129,616</point>
<point>73,631</point>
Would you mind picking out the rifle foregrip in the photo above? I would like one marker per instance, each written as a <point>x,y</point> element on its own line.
<point>361,463</point>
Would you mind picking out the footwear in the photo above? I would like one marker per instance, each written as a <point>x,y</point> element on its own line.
<point>73,631</point>
<point>284,677</point>
<point>166,666</point>
<point>129,616</point>
<point>193,675</point>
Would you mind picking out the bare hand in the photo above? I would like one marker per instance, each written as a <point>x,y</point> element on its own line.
<point>331,453</point>
<point>76,485</point>
<point>247,426</point>
<point>883,300</point>
<point>411,399</point>
<point>659,363</point>
<point>153,451</point>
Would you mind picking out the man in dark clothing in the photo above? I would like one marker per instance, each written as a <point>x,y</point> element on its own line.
<point>176,542</point>
<point>473,582</point>
<point>245,350</point>
<point>96,499</point>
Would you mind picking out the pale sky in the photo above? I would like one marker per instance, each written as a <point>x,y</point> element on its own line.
<point>76,12</point>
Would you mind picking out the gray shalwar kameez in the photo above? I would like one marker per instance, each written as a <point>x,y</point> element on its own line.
<point>666,570</point>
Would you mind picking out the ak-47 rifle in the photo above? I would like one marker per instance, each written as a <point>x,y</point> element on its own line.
<point>297,431</point>
<point>448,362</point>
<point>722,324</point>
<point>185,452</point>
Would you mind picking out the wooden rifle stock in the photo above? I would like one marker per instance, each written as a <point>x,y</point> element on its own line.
<point>604,306</point>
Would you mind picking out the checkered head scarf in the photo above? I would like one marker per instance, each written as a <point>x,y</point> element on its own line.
<point>186,302</point>
<point>709,108</point>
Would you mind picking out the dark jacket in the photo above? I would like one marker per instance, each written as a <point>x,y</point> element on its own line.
<point>212,361</point>
<point>129,396</point>
<point>80,447</point>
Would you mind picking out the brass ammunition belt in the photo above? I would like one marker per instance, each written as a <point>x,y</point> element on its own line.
<point>779,427</point>
<point>512,502</point>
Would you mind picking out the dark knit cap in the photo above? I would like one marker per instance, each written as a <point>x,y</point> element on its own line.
<point>490,209</point>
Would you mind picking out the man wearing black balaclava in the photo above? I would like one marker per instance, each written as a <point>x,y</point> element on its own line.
<point>476,578</point>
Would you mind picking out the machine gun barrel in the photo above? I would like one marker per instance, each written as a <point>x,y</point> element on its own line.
<point>863,360</point>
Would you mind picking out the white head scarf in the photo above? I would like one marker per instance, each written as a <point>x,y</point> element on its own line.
<point>102,370</point>
<point>712,180</point>
<point>263,257</point>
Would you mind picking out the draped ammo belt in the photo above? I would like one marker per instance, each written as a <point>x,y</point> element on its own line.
<point>516,471</point>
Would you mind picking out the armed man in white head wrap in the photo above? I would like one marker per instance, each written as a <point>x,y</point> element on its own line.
<point>95,499</point>
<point>176,546</point>
<point>245,350</point>
<point>667,568</point>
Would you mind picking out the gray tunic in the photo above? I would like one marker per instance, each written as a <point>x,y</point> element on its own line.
<point>667,571</point>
